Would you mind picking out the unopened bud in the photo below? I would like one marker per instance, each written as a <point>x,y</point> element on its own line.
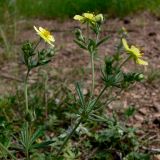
<point>99,18</point>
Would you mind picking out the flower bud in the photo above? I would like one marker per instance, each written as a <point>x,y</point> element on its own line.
<point>99,18</point>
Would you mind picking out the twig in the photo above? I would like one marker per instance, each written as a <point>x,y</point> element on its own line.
<point>152,150</point>
<point>6,76</point>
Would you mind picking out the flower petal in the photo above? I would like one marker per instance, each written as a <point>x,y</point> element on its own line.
<point>125,44</point>
<point>36,29</point>
<point>89,16</point>
<point>141,62</point>
<point>78,17</point>
<point>136,51</point>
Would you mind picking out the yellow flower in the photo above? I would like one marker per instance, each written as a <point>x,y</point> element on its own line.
<point>89,18</point>
<point>46,35</point>
<point>134,52</point>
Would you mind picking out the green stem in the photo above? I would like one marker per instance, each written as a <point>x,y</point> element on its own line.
<point>93,74</point>
<point>26,81</point>
<point>7,151</point>
<point>97,37</point>
<point>26,90</point>
<point>45,96</point>
<point>93,68</point>
<point>27,155</point>
<point>5,114</point>
<point>69,136</point>
<point>124,61</point>
<point>37,45</point>
<point>100,95</point>
<point>108,101</point>
<point>87,31</point>
<point>27,140</point>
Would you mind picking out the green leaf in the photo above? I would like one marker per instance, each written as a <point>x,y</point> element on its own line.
<point>36,135</point>
<point>3,148</point>
<point>80,44</point>
<point>91,105</point>
<point>42,145</point>
<point>129,111</point>
<point>103,40</point>
<point>80,95</point>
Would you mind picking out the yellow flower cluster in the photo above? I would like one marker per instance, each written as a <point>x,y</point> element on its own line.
<point>134,53</point>
<point>89,18</point>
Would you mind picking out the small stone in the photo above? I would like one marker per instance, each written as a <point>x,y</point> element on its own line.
<point>156,157</point>
<point>85,91</point>
<point>158,37</point>
<point>157,115</point>
<point>139,117</point>
<point>143,111</point>
<point>157,106</point>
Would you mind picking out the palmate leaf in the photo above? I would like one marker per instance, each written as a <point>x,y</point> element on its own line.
<point>28,140</point>
<point>36,135</point>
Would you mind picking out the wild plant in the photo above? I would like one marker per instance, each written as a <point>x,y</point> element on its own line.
<point>115,79</point>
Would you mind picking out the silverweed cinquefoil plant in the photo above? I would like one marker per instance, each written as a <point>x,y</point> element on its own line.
<point>115,79</point>
<point>33,57</point>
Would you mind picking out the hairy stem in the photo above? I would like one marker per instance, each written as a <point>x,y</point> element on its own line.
<point>93,74</point>
<point>124,61</point>
<point>26,90</point>
<point>45,96</point>
<point>69,136</point>
<point>108,101</point>
<point>27,155</point>
<point>36,45</point>
<point>100,95</point>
